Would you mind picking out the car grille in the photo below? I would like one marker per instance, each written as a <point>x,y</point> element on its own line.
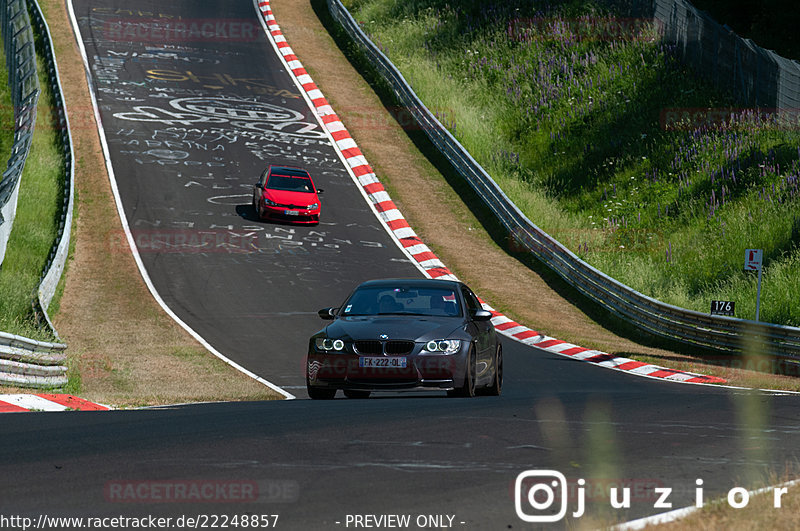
<point>399,347</point>
<point>394,348</point>
<point>369,347</point>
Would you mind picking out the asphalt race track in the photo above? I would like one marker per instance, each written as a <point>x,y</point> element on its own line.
<point>189,126</point>
<point>316,462</point>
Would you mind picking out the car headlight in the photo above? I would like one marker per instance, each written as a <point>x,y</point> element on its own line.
<point>270,203</point>
<point>326,344</point>
<point>313,207</point>
<point>448,346</point>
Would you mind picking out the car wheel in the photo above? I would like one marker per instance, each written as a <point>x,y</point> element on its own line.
<point>497,382</point>
<point>467,390</point>
<point>349,393</point>
<point>319,393</point>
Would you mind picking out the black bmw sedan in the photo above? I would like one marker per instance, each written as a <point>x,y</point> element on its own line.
<point>406,334</point>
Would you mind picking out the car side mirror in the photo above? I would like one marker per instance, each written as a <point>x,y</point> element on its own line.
<point>481,315</point>
<point>327,313</point>
<point>320,190</point>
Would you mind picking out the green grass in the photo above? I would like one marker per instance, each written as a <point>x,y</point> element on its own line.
<point>571,129</point>
<point>38,212</point>
<point>6,112</point>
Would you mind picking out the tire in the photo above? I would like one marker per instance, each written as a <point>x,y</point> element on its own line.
<point>467,390</point>
<point>350,393</point>
<point>497,382</point>
<point>319,393</point>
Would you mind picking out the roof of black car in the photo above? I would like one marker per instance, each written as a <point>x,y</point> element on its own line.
<point>415,282</point>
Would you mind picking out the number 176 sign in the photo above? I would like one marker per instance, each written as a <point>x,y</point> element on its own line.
<point>723,308</point>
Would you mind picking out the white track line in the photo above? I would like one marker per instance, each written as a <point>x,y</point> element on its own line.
<point>128,234</point>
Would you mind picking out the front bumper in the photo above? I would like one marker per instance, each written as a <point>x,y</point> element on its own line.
<point>281,214</point>
<point>342,371</point>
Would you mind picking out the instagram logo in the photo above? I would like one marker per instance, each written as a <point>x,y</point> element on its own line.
<point>536,492</point>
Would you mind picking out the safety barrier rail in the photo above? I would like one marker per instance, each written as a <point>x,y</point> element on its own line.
<point>58,254</point>
<point>26,362</point>
<point>29,363</point>
<point>21,64</point>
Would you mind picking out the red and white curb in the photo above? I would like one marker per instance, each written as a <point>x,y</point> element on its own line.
<point>46,402</point>
<point>610,361</point>
<point>391,217</point>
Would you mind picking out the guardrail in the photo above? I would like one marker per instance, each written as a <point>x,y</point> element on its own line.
<point>21,65</point>
<point>26,362</point>
<point>58,254</point>
<point>687,326</point>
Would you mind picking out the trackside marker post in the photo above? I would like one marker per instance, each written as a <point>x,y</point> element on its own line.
<point>753,259</point>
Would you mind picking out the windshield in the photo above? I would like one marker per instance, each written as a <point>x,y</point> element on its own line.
<point>403,301</point>
<point>290,183</point>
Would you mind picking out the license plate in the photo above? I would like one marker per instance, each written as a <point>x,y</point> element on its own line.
<point>393,363</point>
<point>291,212</point>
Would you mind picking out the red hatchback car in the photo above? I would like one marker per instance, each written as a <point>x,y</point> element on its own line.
<point>285,193</point>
